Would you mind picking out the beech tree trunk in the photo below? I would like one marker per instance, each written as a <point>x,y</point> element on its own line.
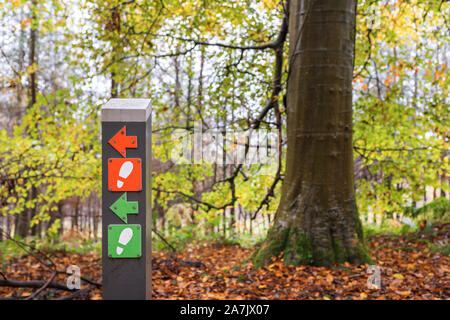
<point>317,220</point>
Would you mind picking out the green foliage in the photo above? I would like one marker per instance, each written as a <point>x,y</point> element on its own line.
<point>185,235</point>
<point>52,231</point>
<point>440,247</point>
<point>53,151</point>
<point>76,245</point>
<point>437,210</point>
<point>386,229</point>
<point>10,249</point>
<point>400,87</point>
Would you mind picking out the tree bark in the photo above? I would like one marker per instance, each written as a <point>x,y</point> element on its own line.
<point>317,220</point>
<point>33,192</point>
<point>33,40</point>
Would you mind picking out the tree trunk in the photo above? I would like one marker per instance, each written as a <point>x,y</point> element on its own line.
<point>249,215</point>
<point>31,212</point>
<point>34,230</point>
<point>61,216</point>
<point>317,220</point>
<point>97,216</point>
<point>232,223</point>
<point>21,224</point>
<point>75,218</point>
<point>33,40</point>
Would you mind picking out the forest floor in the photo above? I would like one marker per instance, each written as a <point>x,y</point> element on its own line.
<point>411,267</point>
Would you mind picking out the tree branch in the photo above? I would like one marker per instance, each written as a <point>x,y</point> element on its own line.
<point>38,284</point>
<point>49,281</point>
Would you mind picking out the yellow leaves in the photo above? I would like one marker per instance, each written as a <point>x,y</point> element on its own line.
<point>32,68</point>
<point>60,23</point>
<point>17,3</point>
<point>398,276</point>
<point>24,23</point>
<point>268,4</point>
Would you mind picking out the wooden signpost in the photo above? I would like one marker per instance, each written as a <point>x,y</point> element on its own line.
<point>126,199</point>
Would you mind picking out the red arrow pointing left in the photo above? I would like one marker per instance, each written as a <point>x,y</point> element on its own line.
<point>121,141</point>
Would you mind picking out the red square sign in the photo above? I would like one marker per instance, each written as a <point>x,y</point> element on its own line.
<point>124,174</point>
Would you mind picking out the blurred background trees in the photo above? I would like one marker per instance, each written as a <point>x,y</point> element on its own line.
<point>214,63</point>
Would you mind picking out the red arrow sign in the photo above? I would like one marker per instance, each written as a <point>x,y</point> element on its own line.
<point>121,141</point>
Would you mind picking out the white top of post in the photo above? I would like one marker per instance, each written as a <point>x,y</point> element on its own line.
<point>126,110</point>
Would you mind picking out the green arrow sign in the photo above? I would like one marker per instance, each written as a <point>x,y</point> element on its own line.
<point>122,207</point>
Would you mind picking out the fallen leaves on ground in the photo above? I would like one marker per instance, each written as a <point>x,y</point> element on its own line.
<point>409,270</point>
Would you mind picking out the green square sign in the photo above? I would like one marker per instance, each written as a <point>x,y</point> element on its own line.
<point>124,241</point>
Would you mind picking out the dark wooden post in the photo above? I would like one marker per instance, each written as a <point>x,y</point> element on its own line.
<point>126,199</point>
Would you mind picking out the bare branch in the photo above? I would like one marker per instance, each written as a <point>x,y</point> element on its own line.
<point>49,281</point>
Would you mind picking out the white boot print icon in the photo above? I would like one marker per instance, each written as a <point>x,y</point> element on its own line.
<point>124,238</point>
<point>124,172</point>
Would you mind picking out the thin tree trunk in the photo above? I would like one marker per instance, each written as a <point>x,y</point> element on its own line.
<point>75,222</point>
<point>317,220</point>
<point>250,222</point>
<point>21,62</point>
<point>97,218</point>
<point>61,216</point>
<point>232,222</point>
<point>21,224</point>
<point>89,217</point>
<point>224,223</point>
<point>2,225</point>
<point>114,26</point>
<point>31,212</point>
<point>22,220</point>
<point>33,40</point>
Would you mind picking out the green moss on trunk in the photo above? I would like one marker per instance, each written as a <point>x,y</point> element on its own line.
<point>339,251</point>
<point>299,250</point>
<point>272,246</point>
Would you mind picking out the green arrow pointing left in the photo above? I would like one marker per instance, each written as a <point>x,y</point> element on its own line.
<point>122,207</point>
